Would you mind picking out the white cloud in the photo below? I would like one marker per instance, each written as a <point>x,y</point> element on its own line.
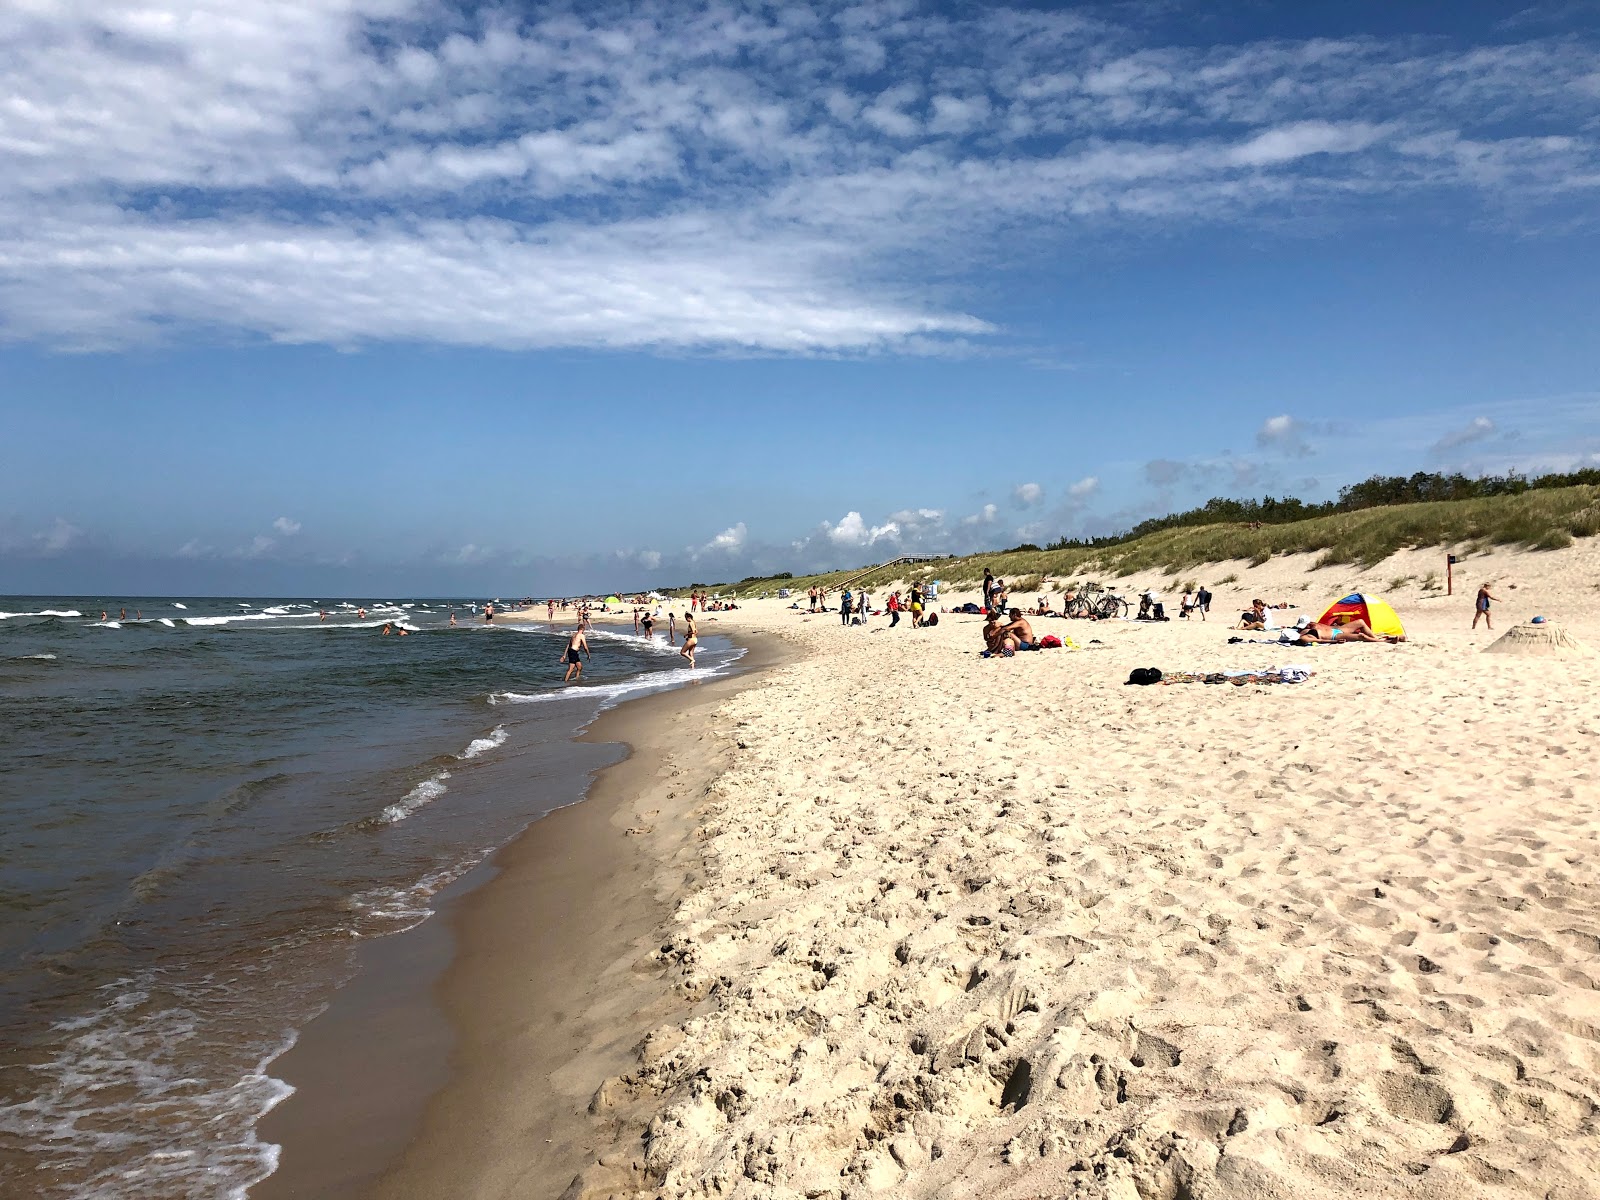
<point>60,536</point>
<point>728,541</point>
<point>1475,430</point>
<point>1085,487</point>
<point>987,515</point>
<point>260,546</point>
<point>1285,435</point>
<point>665,176</point>
<point>1027,495</point>
<point>286,527</point>
<point>648,559</point>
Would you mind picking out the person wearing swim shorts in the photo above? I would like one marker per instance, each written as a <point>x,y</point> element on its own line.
<point>1017,634</point>
<point>577,651</point>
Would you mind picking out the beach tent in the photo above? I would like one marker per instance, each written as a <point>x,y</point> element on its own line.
<point>1380,618</point>
<point>613,600</point>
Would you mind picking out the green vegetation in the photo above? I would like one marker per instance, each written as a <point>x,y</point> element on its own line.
<point>1536,517</point>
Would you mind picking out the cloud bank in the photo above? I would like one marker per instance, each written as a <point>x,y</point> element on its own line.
<point>707,177</point>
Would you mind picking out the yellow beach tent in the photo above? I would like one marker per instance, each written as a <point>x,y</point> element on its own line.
<point>1380,618</point>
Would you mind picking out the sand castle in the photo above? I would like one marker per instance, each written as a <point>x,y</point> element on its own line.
<point>1539,637</point>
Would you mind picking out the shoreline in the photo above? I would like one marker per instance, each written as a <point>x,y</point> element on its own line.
<point>501,1061</point>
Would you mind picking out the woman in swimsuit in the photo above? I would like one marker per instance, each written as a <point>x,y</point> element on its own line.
<point>691,639</point>
<point>1481,608</point>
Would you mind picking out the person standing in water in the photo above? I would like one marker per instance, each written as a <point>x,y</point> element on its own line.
<point>672,629</point>
<point>691,639</point>
<point>452,618</point>
<point>576,644</point>
<point>488,614</point>
<point>1481,608</point>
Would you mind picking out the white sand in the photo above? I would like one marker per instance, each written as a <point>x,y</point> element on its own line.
<point>1012,929</point>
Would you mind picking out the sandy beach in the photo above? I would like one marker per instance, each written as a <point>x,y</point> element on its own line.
<point>929,925</point>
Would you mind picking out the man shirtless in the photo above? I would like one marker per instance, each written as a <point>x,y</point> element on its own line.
<point>576,642</point>
<point>1017,634</point>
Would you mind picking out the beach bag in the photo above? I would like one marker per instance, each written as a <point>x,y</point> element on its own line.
<point>1049,642</point>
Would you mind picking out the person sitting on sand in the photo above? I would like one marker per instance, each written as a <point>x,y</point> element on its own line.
<point>576,642</point>
<point>1254,618</point>
<point>1314,632</point>
<point>1042,609</point>
<point>991,634</point>
<point>1017,634</point>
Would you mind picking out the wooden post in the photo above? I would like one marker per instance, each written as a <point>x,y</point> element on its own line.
<point>1449,575</point>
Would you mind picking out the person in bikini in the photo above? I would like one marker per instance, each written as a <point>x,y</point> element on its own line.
<point>577,651</point>
<point>648,622</point>
<point>691,639</point>
<point>1313,632</point>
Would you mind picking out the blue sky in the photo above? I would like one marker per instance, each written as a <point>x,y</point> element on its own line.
<point>350,296</point>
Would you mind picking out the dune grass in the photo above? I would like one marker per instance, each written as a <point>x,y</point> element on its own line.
<point>1547,519</point>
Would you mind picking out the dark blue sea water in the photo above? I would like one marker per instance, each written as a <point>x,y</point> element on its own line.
<point>203,807</point>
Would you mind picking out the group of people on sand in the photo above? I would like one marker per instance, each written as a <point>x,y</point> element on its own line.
<point>1002,639</point>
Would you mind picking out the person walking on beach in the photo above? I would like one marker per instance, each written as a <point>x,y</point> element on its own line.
<point>864,606</point>
<point>916,606</point>
<point>672,628</point>
<point>893,605</point>
<point>576,644</point>
<point>845,607</point>
<point>488,614</point>
<point>636,622</point>
<point>1202,601</point>
<point>690,638</point>
<point>1481,608</point>
<point>649,623</point>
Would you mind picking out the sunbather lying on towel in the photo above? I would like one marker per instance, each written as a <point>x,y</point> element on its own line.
<point>1312,632</point>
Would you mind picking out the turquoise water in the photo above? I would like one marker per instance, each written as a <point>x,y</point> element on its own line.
<point>206,805</point>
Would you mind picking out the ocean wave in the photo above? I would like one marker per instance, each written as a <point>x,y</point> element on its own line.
<point>483,745</point>
<point>387,910</point>
<point>654,681</point>
<point>39,657</point>
<point>175,604</point>
<point>423,794</point>
<point>122,1085</point>
<point>226,620</point>
<point>48,612</point>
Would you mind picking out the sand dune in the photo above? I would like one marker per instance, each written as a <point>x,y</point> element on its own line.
<point>1012,929</point>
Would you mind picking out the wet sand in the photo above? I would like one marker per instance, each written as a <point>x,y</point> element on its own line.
<point>480,1083</point>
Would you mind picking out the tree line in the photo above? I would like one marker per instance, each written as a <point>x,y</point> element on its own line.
<point>1377,492</point>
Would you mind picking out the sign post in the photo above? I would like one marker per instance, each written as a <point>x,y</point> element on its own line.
<point>1450,561</point>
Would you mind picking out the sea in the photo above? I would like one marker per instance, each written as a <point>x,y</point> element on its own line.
<point>205,805</point>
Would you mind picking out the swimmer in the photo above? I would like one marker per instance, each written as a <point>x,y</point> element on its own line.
<point>576,642</point>
<point>322,615</point>
<point>452,618</point>
<point>690,638</point>
<point>361,614</point>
